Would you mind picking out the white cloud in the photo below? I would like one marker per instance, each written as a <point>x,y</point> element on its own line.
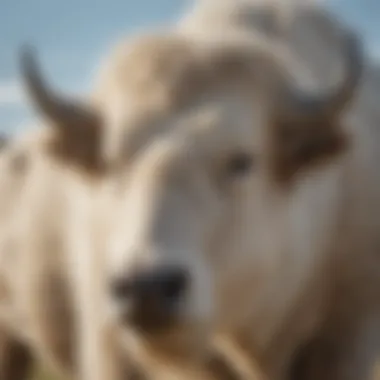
<point>11,94</point>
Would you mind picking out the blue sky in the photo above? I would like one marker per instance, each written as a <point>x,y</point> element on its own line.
<point>72,35</point>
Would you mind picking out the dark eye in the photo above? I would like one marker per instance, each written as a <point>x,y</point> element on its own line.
<point>240,164</point>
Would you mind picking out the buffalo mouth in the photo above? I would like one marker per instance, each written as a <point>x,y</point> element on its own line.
<point>159,325</point>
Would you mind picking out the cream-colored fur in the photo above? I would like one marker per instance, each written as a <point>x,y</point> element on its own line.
<point>345,224</point>
<point>273,265</point>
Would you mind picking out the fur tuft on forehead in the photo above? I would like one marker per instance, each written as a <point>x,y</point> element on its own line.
<point>171,69</point>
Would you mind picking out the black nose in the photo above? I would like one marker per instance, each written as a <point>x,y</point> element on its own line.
<point>155,295</point>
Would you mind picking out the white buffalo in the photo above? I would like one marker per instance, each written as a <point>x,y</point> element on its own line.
<point>198,192</point>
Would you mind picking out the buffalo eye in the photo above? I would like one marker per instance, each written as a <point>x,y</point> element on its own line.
<point>240,164</point>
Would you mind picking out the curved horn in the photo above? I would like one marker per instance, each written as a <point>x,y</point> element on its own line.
<point>60,110</point>
<point>304,106</point>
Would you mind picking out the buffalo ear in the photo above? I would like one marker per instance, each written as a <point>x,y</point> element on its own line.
<point>78,126</point>
<point>308,126</point>
<point>301,147</point>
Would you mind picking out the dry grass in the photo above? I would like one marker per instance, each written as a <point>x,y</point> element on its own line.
<point>42,375</point>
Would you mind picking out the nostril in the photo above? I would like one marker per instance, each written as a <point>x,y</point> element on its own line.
<point>152,298</point>
<point>121,288</point>
<point>173,283</point>
<point>154,292</point>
